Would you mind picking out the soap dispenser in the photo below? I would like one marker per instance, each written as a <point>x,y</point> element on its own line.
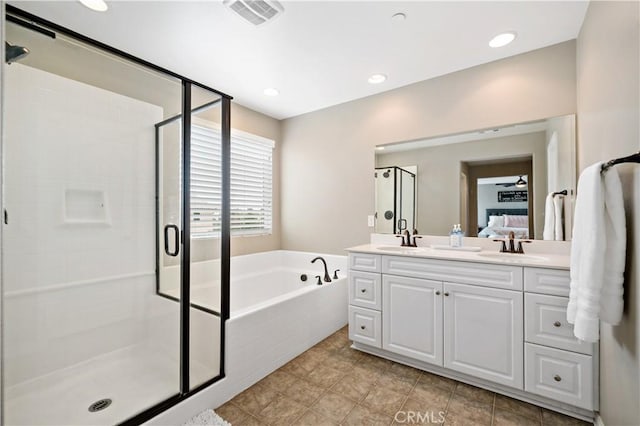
<point>460,236</point>
<point>453,237</point>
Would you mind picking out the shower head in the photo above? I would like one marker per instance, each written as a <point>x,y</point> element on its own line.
<point>14,53</point>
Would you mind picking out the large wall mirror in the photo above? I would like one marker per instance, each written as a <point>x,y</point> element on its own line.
<point>491,181</point>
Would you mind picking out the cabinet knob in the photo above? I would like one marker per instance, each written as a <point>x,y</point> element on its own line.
<point>557,324</point>
<point>362,327</point>
<point>437,292</point>
<point>557,378</point>
<point>363,290</point>
<point>446,293</point>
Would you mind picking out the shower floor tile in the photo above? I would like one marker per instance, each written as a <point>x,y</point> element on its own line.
<point>134,378</point>
<point>372,390</point>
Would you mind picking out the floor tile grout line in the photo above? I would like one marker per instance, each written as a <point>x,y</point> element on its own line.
<point>493,409</point>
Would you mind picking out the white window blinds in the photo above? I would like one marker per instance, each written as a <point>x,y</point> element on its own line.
<point>251,183</point>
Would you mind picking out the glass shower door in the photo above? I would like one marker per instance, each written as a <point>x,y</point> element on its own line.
<point>86,339</point>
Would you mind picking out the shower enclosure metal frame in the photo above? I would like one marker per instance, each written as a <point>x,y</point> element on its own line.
<point>36,23</point>
<point>397,197</point>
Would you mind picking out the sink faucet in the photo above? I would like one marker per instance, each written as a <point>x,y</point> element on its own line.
<point>406,238</point>
<point>512,247</point>
<point>327,278</point>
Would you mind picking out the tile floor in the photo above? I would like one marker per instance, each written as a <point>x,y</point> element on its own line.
<point>332,384</point>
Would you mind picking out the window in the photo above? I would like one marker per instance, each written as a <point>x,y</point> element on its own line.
<point>251,182</point>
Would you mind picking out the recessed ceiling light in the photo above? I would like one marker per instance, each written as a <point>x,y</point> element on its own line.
<point>271,91</point>
<point>97,5</point>
<point>502,39</point>
<point>397,17</point>
<point>377,78</point>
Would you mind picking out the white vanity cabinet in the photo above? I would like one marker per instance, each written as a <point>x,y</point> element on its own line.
<point>557,365</point>
<point>483,333</point>
<point>496,325</point>
<point>412,320</point>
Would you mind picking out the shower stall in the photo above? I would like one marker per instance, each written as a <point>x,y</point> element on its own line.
<point>98,195</point>
<point>395,191</point>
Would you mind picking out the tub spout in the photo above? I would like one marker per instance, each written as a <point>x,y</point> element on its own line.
<point>327,277</point>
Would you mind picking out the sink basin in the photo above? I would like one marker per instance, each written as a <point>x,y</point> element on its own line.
<point>399,248</point>
<point>513,257</point>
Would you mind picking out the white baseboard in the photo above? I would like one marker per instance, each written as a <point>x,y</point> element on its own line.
<point>598,420</point>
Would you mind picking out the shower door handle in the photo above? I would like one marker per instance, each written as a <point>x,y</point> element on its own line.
<point>402,224</point>
<point>166,239</point>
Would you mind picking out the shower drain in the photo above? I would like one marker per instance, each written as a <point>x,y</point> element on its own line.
<point>100,405</point>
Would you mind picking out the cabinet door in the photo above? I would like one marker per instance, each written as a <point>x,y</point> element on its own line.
<point>483,333</point>
<point>412,318</point>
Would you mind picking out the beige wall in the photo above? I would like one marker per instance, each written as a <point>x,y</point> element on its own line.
<point>328,155</point>
<point>439,176</point>
<point>608,75</point>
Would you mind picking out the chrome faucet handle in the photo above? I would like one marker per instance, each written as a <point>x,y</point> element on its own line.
<point>503,247</point>
<point>520,249</point>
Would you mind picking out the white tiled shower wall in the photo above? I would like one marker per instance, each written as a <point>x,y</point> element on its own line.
<point>75,290</point>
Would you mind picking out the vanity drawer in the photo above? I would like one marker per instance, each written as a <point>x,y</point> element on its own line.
<point>365,289</point>
<point>365,262</point>
<point>560,375</point>
<point>547,281</point>
<point>483,274</point>
<point>546,323</point>
<point>365,326</point>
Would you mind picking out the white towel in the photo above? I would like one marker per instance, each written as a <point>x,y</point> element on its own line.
<point>598,239</point>
<point>558,214</point>
<point>549,218</point>
<point>612,302</point>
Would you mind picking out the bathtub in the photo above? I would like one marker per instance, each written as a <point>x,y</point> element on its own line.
<point>275,316</point>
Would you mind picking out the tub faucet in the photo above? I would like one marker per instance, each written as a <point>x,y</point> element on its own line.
<point>327,278</point>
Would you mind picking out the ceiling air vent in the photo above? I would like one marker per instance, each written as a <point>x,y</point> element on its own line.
<point>255,11</point>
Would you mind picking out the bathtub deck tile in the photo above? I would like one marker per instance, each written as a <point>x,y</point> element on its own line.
<point>282,411</point>
<point>334,406</point>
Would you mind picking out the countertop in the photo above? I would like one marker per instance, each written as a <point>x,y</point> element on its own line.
<point>536,259</point>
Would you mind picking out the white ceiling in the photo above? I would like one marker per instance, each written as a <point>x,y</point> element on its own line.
<point>317,53</point>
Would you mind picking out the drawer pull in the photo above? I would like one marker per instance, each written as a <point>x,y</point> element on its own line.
<point>557,378</point>
<point>437,292</point>
<point>363,327</point>
<point>446,293</point>
<point>557,324</point>
<point>363,290</point>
